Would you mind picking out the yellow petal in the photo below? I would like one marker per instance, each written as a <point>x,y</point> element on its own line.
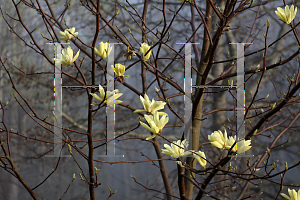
<point>217,144</point>
<point>147,106</point>
<point>148,118</point>
<point>139,111</point>
<point>157,105</point>
<point>118,95</point>
<point>151,137</point>
<point>294,194</point>
<point>285,196</point>
<point>146,97</point>
<point>102,92</point>
<point>281,14</point>
<point>200,157</point>
<point>96,97</point>
<point>72,30</point>
<point>122,69</point>
<point>165,121</point>
<point>142,99</point>
<point>76,56</point>
<point>64,63</point>
<point>162,113</point>
<point>118,101</point>
<point>70,52</point>
<point>156,120</point>
<point>168,148</point>
<point>146,126</point>
<point>96,50</point>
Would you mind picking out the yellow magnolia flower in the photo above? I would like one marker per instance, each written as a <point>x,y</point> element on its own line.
<point>223,142</point>
<point>229,142</point>
<point>110,97</point>
<point>293,195</point>
<point>67,56</point>
<point>200,157</point>
<point>151,107</point>
<point>144,48</point>
<point>68,34</point>
<point>217,139</point>
<point>118,69</point>
<point>104,51</point>
<point>177,149</point>
<point>156,124</point>
<point>287,15</point>
<point>240,146</point>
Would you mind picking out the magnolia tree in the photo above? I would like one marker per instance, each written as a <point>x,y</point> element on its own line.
<point>199,98</point>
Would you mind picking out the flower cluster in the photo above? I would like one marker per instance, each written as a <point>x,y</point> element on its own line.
<point>151,108</point>
<point>156,120</point>
<point>103,52</point>
<point>177,149</point>
<point>223,142</point>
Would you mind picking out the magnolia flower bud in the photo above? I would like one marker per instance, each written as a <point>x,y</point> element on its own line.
<point>144,49</point>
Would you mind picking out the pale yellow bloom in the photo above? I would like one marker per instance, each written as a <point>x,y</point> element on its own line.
<point>223,142</point>
<point>144,49</point>
<point>151,107</point>
<point>67,56</point>
<point>110,97</point>
<point>104,51</point>
<point>68,34</point>
<point>240,146</point>
<point>177,149</point>
<point>156,124</point>
<point>287,15</point>
<point>230,141</point>
<point>293,195</point>
<point>200,157</point>
<point>217,139</point>
<point>118,69</point>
